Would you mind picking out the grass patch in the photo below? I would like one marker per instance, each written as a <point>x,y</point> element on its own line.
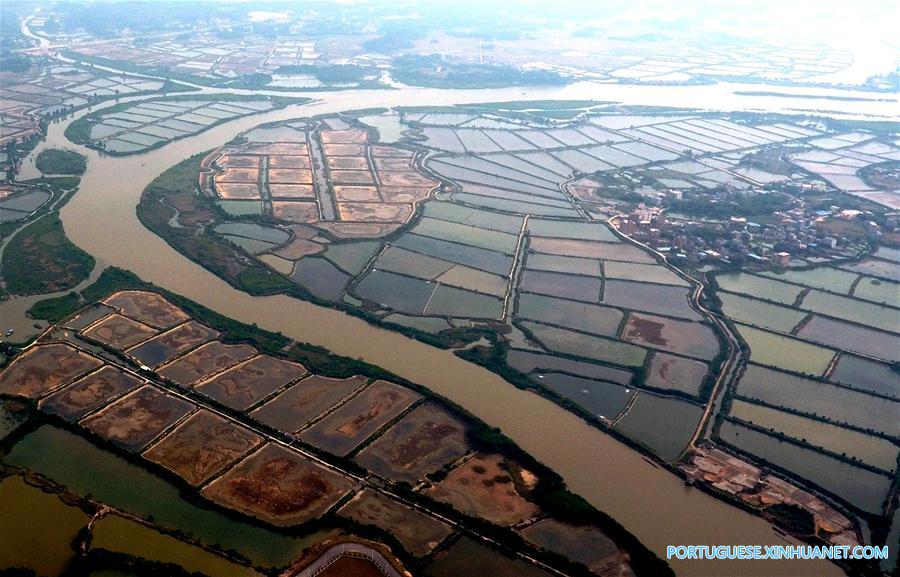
<point>59,161</point>
<point>539,105</point>
<point>57,182</point>
<point>259,280</point>
<point>40,259</point>
<point>366,111</point>
<point>55,309</point>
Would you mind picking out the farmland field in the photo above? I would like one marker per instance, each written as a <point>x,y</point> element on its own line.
<point>136,419</point>
<point>279,486</point>
<point>89,392</point>
<point>418,533</point>
<point>243,385</point>
<point>344,429</point>
<point>421,443</point>
<point>202,446</point>
<point>205,360</point>
<point>43,369</point>
<point>484,487</point>
<point>294,407</point>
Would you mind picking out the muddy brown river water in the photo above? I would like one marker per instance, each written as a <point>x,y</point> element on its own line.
<point>650,502</point>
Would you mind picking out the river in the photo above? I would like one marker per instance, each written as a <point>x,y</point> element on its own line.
<point>652,503</point>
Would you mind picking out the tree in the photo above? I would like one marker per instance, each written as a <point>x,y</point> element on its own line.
<point>11,159</point>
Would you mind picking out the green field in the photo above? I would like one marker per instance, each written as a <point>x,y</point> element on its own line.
<point>58,161</point>
<point>40,259</point>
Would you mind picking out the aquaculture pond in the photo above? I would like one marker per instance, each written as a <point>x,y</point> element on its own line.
<point>866,375</point>
<point>588,346</point>
<point>663,424</point>
<point>855,311</point>
<point>759,287</point>
<point>601,399</point>
<point>869,449</point>
<point>321,278</point>
<point>831,279</point>
<point>824,400</point>
<point>760,313</point>
<point>786,353</point>
<point>527,362</point>
<point>878,290</point>
<point>860,487</point>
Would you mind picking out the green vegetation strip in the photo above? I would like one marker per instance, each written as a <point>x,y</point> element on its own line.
<point>58,161</point>
<point>40,259</point>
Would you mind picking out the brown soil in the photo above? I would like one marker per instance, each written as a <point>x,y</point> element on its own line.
<point>43,368</point>
<point>352,176</point>
<point>209,358</point>
<point>202,446</point>
<point>246,175</point>
<point>238,161</point>
<point>289,162</point>
<point>243,385</point>
<point>349,136</point>
<point>237,191</point>
<point>119,332</point>
<point>356,193</point>
<point>645,330</point>
<point>138,418</point>
<point>372,211</point>
<point>147,307</point>
<point>296,211</point>
<point>290,175</point>
<point>483,487</point>
<point>89,392</point>
<point>348,162</point>
<point>292,191</point>
<point>278,485</point>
